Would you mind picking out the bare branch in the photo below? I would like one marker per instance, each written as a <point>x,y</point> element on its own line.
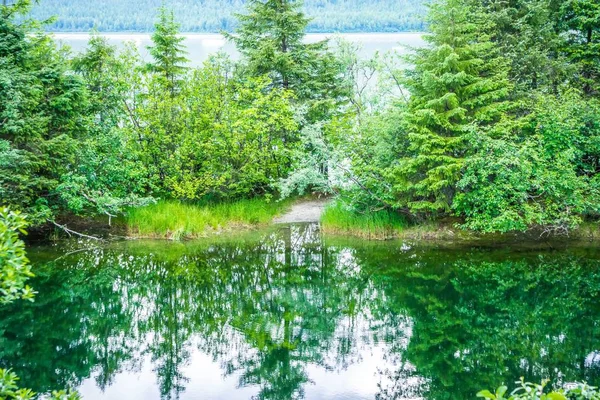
<point>71,232</point>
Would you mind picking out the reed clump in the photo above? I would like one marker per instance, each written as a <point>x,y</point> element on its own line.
<point>338,218</point>
<point>177,220</point>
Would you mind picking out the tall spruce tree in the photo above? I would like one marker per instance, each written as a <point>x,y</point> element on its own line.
<point>167,51</point>
<point>271,39</point>
<point>161,107</point>
<point>458,86</point>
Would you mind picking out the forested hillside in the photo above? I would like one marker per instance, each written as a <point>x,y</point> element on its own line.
<point>217,15</point>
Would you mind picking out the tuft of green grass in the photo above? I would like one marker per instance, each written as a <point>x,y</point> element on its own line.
<point>176,220</point>
<point>341,219</point>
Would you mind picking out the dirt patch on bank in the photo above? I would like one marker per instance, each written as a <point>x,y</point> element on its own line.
<point>304,211</point>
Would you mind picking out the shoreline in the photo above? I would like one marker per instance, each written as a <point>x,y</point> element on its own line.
<point>179,221</point>
<point>444,234</point>
<point>430,234</point>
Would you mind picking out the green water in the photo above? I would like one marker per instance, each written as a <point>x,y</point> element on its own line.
<point>289,314</point>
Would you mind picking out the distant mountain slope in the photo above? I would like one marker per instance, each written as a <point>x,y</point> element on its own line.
<point>217,15</point>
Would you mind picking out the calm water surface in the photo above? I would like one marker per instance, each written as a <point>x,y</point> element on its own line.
<point>290,314</point>
<point>200,46</point>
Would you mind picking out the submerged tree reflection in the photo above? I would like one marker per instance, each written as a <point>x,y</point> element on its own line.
<point>479,323</point>
<point>451,322</point>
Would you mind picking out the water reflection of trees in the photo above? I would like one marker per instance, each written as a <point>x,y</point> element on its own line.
<point>265,309</point>
<point>478,322</point>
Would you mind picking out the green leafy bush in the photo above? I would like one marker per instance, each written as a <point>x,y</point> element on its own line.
<point>14,265</point>
<point>9,389</point>
<point>544,174</point>
<point>14,272</point>
<point>534,391</point>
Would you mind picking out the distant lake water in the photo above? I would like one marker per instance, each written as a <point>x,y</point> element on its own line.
<point>200,46</point>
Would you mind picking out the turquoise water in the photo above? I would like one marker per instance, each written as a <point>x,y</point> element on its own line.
<point>289,314</point>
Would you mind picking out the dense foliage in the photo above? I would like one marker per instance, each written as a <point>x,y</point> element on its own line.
<point>14,265</point>
<point>532,391</point>
<point>499,122</point>
<point>43,109</point>
<point>59,149</point>
<point>103,131</point>
<point>15,270</point>
<point>458,85</point>
<point>493,124</point>
<point>218,15</point>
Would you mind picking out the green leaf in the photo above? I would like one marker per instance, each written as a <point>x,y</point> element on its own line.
<point>486,394</point>
<point>501,391</point>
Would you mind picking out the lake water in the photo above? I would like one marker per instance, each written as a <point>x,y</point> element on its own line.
<point>200,46</point>
<point>291,314</point>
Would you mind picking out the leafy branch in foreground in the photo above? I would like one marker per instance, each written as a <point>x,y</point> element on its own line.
<point>14,265</point>
<point>15,270</point>
<point>534,391</point>
<point>10,390</point>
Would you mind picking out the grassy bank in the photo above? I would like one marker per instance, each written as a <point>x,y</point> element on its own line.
<point>379,225</point>
<point>176,220</point>
<point>338,219</point>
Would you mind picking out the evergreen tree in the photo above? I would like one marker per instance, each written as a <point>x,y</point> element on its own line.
<point>458,86</point>
<point>168,50</point>
<point>42,113</point>
<point>579,20</point>
<point>161,105</point>
<point>526,33</point>
<point>270,37</point>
